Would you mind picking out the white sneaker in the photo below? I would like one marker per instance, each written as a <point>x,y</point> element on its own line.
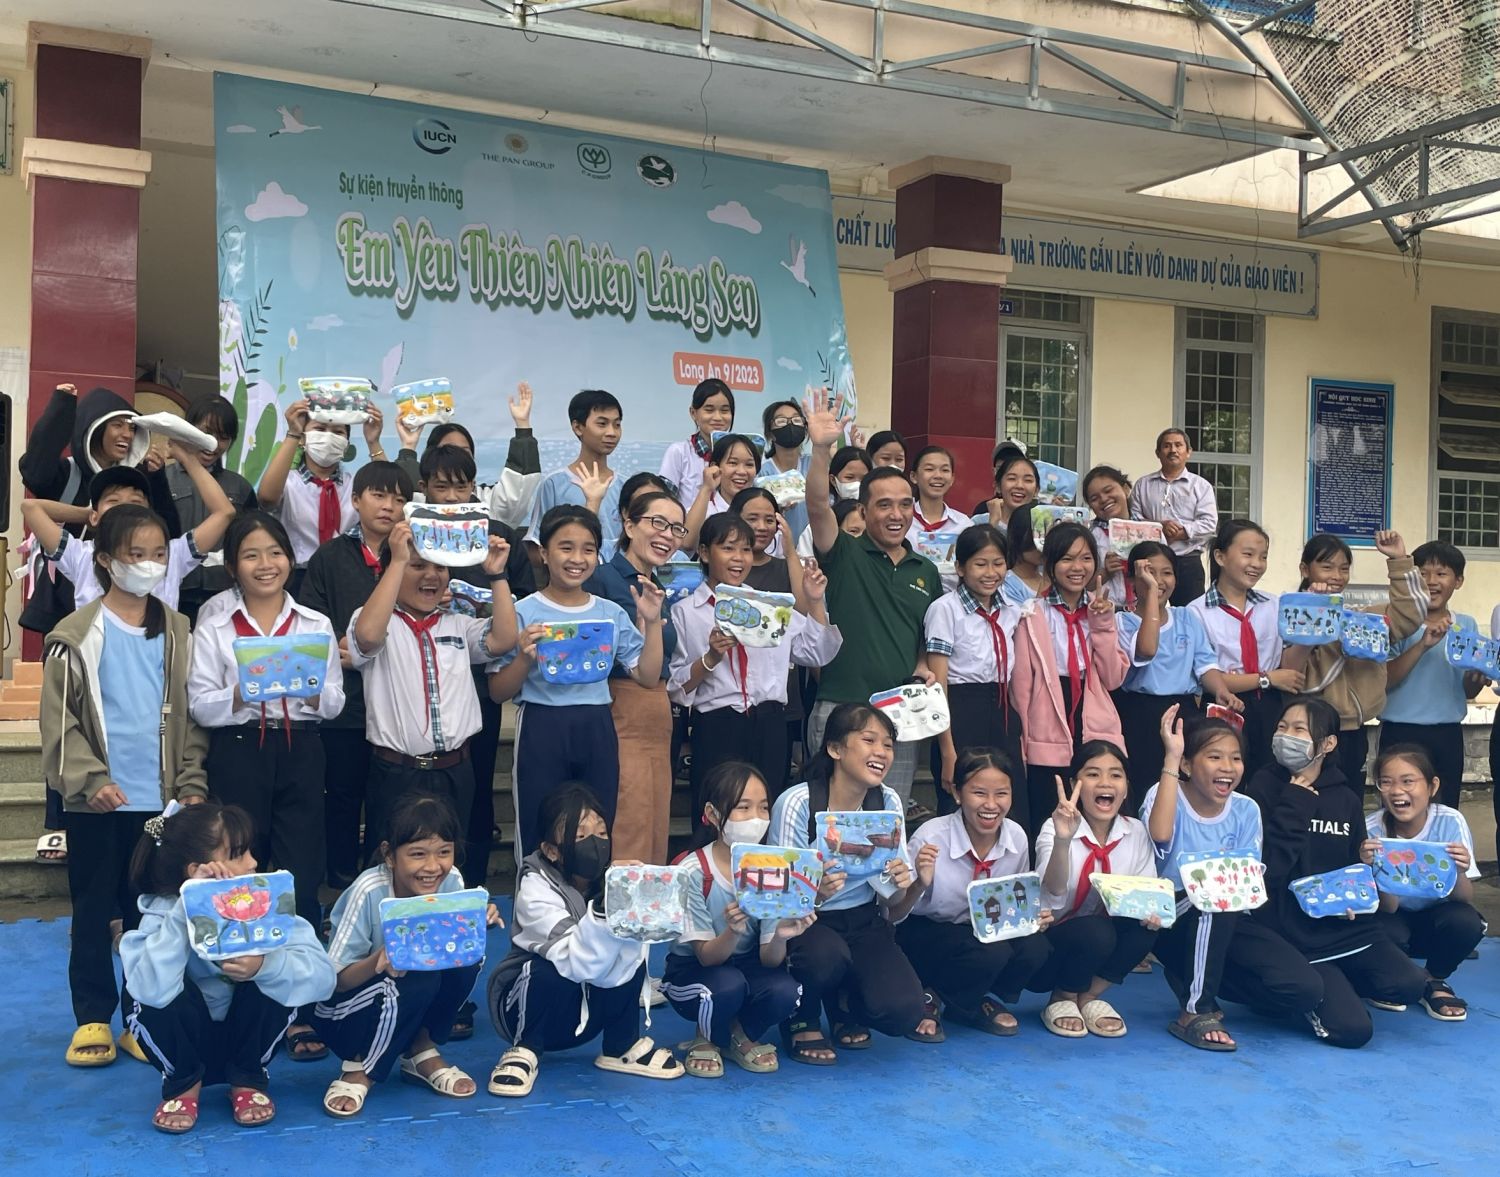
<point>653,996</point>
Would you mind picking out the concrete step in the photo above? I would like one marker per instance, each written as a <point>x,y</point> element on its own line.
<point>23,877</point>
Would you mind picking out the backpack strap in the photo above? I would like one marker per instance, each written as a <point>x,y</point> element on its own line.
<point>708,877</point>
<point>75,481</point>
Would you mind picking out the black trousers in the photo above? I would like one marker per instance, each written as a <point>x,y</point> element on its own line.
<point>963,970</point>
<point>1353,754</point>
<point>979,717</point>
<point>346,775</point>
<point>850,964</point>
<point>1089,946</point>
<point>560,746</point>
<point>484,750</point>
<point>1192,954</point>
<point>541,1009</point>
<point>378,1021</point>
<point>391,782</point>
<point>757,736</point>
<point>187,1046</point>
<point>741,990</point>
<point>1443,935</point>
<point>1191,579</point>
<point>1444,745</point>
<point>1140,724</point>
<point>280,786</point>
<point>99,850</point>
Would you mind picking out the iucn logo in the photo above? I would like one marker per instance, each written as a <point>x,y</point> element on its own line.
<point>433,136</point>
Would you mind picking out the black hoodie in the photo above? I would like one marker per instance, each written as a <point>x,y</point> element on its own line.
<point>1307,832</point>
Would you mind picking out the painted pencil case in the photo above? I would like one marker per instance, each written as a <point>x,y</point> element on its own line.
<point>644,903</point>
<point>775,882</point>
<point>424,402</point>
<point>337,400</point>
<point>1350,890</point>
<point>1233,880</point>
<point>1414,869</point>
<point>576,651</point>
<point>286,666</point>
<point>1005,908</point>
<point>752,617</point>
<point>429,933</point>
<point>918,710</point>
<point>248,915</point>
<point>456,535</point>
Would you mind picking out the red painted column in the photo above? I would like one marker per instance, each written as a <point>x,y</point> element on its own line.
<point>947,279</point>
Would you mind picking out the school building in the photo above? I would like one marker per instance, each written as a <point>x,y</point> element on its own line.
<point>1140,166</point>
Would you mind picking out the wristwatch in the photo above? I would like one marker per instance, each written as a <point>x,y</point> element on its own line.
<point>1265,681</point>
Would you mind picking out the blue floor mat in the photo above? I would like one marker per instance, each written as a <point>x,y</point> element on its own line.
<point>1421,1095</point>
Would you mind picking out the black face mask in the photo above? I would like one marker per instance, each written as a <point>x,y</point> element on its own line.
<point>591,858</point>
<point>789,437</point>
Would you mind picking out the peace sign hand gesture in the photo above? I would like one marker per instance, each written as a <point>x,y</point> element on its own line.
<point>1066,818</point>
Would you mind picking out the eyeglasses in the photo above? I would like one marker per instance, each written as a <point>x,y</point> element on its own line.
<point>783,422</point>
<point>662,523</point>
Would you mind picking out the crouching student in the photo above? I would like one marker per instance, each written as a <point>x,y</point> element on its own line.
<point>204,1023</point>
<point>378,1014</point>
<point>1284,961</point>
<point>1091,950</point>
<point>421,704</point>
<point>849,963</point>
<point>567,978</point>
<point>1440,931</point>
<point>971,980</point>
<point>1194,809</point>
<point>727,973</point>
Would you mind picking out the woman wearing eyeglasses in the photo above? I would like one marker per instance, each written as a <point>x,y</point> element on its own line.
<point>651,533</point>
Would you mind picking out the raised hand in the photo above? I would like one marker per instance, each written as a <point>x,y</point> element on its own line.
<point>296,416</point>
<point>1066,818</point>
<point>520,406</point>
<point>1100,604</point>
<point>823,424</point>
<point>649,600</point>
<point>592,481</point>
<point>1390,544</point>
<point>408,435</point>
<point>374,423</point>
<point>1171,734</point>
<point>495,559</point>
<point>403,543</point>
<point>814,581</point>
<point>712,476</point>
<point>927,863</point>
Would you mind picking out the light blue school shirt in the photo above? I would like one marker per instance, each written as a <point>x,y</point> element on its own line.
<point>559,488</point>
<point>705,913</point>
<point>789,820</point>
<point>1434,690</point>
<point>537,688</point>
<point>1183,654</point>
<point>355,917</point>
<point>131,671</point>
<point>1015,590</point>
<point>796,517</point>
<point>1236,828</point>
<point>1443,825</point>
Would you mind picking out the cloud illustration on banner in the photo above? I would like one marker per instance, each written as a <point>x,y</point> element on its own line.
<point>325,323</point>
<point>735,215</point>
<point>240,129</point>
<point>789,364</point>
<point>273,202</point>
<point>806,195</point>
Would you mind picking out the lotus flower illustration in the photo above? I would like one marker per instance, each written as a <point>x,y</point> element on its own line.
<point>243,904</point>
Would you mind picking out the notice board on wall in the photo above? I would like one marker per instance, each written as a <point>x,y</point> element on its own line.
<point>1349,459</point>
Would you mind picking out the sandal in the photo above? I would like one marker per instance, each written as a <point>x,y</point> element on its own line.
<point>757,1057</point>
<point>704,1051</point>
<point>801,1052</point>
<point>343,1089</point>
<point>242,1100</point>
<point>181,1105</point>
<point>984,1020</point>
<point>1390,1007</point>
<point>52,847</point>
<point>1196,1033</point>
<point>128,1044</point>
<point>313,1053</point>
<point>463,1023</point>
<point>1058,1010</point>
<point>645,1059</point>
<point>931,1012</point>
<point>1098,1010</point>
<point>444,1080</point>
<point>515,1074</point>
<point>852,1036</point>
<point>1438,996</point>
<point>91,1036</point>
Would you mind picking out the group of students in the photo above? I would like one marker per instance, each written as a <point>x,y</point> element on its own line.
<point>1078,744</point>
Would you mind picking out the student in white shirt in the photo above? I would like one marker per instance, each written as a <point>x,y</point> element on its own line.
<point>109,488</point>
<point>1186,507</point>
<point>933,519</point>
<point>1016,486</point>
<point>738,693</point>
<point>712,411</point>
<point>267,758</point>
<point>1107,493</point>
<point>421,705</point>
<point>733,466</point>
<point>976,842</point>
<point>1091,949</point>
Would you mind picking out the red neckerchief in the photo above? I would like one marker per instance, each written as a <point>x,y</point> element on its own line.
<point>700,447</point>
<point>1078,657</point>
<point>927,525</point>
<point>1097,856</point>
<point>245,628</point>
<point>431,684</point>
<point>330,511</point>
<point>1249,649</point>
<point>1002,656</point>
<point>372,561</point>
<point>741,664</point>
<point>981,865</point>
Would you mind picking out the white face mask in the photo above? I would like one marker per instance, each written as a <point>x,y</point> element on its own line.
<point>846,490</point>
<point>139,580</point>
<point>752,829</point>
<point>324,448</point>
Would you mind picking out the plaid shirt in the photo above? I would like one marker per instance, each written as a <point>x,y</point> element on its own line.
<point>1214,599</point>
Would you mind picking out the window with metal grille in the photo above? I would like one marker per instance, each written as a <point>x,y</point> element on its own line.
<point>1218,401</point>
<point>1044,374</point>
<point>1466,428</point>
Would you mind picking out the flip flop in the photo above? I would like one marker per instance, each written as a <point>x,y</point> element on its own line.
<point>52,848</point>
<point>1096,1011</point>
<point>91,1035</point>
<point>1058,1010</point>
<point>127,1043</point>
<point>1196,1033</point>
<point>984,1020</point>
<point>181,1105</point>
<point>852,1030</point>
<point>305,1056</point>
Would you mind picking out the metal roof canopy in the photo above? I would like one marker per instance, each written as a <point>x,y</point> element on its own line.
<point>829,61</point>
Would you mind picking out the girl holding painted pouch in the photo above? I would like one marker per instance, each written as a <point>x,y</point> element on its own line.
<point>712,411</point>
<point>970,634</point>
<point>970,979</point>
<point>1440,931</point>
<point>733,466</point>
<point>1016,486</point>
<point>1068,660</point>
<point>1107,493</point>
<point>849,963</point>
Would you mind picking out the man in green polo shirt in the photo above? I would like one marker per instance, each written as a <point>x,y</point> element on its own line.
<point>878,590</point>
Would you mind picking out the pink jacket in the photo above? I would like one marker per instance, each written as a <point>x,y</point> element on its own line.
<point>1036,688</point>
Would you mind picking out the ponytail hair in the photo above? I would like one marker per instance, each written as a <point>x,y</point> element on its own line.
<point>723,787</point>
<point>844,721</point>
<point>191,834</point>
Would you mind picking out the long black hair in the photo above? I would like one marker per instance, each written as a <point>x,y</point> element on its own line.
<point>194,833</point>
<point>558,820</point>
<point>843,722</point>
<point>723,788</point>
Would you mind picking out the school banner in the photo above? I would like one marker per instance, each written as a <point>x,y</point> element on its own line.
<point>396,242</point>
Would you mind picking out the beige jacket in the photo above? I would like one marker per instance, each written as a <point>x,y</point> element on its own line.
<point>75,751</point>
